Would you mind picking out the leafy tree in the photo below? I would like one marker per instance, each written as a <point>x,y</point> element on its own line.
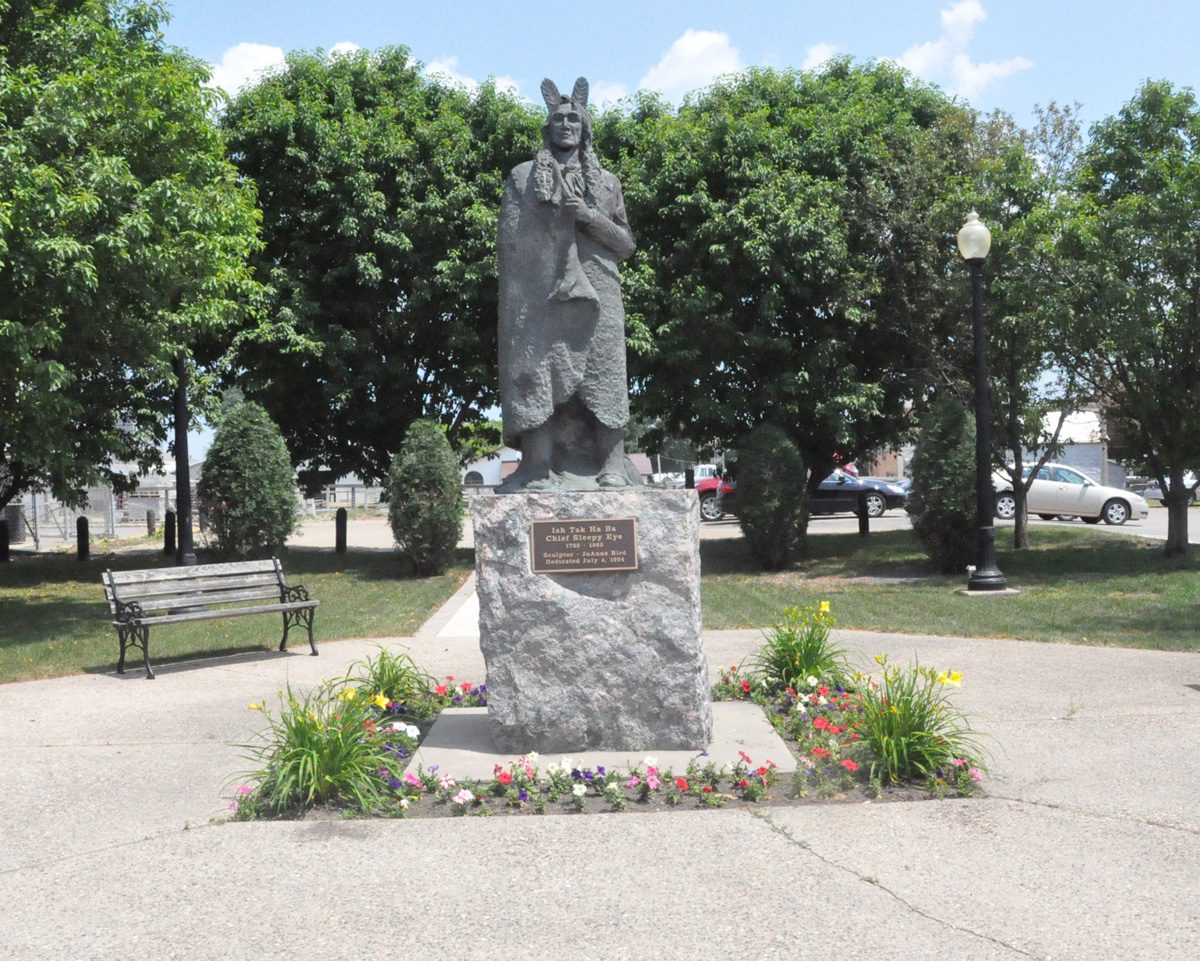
<point>942,501</point>
<point>247,494</point>
<point>1133,277</point>
<point>425,502</point>
<point>1020,186</point>
<point>794,231</point>
<point>772,503</point>
<point>124,233</point>
<point>379,192</point>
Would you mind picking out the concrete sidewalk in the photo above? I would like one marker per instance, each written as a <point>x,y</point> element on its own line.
<point>1087,845</point>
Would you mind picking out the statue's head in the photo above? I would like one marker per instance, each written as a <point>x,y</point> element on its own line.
<point>568,125</point>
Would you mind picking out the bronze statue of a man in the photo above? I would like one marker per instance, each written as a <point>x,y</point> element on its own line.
<point>563,389</point>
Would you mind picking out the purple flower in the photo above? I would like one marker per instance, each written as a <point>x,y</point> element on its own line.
<point>600,770</point>
<point>576,774</point>
<point>523,795</point>
<point>482,689</point>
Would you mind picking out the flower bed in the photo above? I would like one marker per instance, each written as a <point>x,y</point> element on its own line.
<point>342,750</point>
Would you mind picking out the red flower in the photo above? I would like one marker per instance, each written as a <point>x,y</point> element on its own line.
<point>761,772</point>
<point>449,677</point>
<point>504,777</point>
<point>440,689</point>
<point>834,729</point>
<point>820,723</point>
<point>823,690</point>
<point>745,686</point>
<point>744,756</point>
<point>465,687</point>
<point>708,789</point>
<point>743,783</point>
<point>820,752</point>
<point>681,783</point>
<point>849,765</point>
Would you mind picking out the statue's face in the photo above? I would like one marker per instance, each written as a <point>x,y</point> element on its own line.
<point>566,127</point>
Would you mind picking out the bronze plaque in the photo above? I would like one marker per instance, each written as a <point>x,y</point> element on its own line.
<point>583,545</point>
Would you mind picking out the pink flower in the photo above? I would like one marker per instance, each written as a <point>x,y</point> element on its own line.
<point>411,779</point>
<point>974,774</point>
<point>633,781</point>
<point>244,789</point>
<point>653,782</point>
<point>959,761</point>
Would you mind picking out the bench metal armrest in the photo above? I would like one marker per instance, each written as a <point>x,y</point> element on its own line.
<point>297,592</point>
<point>128,611</point>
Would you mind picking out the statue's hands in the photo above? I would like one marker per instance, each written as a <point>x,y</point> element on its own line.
<point>582,212</point>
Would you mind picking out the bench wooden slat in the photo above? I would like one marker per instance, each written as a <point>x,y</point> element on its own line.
<point>196,570</point>
<point>271,592</point>
<point>135,592</point>
<point>227,612</point>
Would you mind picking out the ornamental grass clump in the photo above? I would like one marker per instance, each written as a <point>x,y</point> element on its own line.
<point>798,647</point>
<point>396,676</point>
<point>326,747</point>
<point>911,731</point>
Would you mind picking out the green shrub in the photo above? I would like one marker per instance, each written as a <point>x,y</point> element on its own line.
<point>911,731</point>
<point>247,492</point>
<point>798,647</point>
<point>425,500</point>
<point>942,500</point>
<point>772,504</point>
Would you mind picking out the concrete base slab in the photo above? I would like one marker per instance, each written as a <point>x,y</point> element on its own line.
<point>1007,592</point>
<point>460,743</point>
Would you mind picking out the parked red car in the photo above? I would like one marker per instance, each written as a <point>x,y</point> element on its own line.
<point>711,489</point>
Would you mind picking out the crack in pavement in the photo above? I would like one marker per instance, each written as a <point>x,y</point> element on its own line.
<point>78,855</point>
<point>1100,815</point>
<point>765,818</point>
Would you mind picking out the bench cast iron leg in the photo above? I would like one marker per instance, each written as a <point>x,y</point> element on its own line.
<point>143,633</point>
<point>287,622</point>
<point>123,637</point>
<point>308,622</point>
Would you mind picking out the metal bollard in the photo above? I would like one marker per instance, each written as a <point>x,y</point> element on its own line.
<point>169,533</point>
<point>4,554</point>
<point>340,530</point>
<point>150,523</point>
<point>864,519</point>
<point>83,547</point>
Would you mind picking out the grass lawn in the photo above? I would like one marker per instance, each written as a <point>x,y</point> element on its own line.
<point>1078,586</point>
<point>54,619</point>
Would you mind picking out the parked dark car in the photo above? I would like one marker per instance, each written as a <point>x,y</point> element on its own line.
<point>838,493</point>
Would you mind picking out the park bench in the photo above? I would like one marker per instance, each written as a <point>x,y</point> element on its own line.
<point>139,600</point>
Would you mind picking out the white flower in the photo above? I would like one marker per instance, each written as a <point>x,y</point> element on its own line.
<point>649,762</point>
<point>579,790</point>
<point>822,701</point>
<point>812,681</point>
<point>404,803</point>
<point>532,757</point>
<point>567,764</point>
<point>463,797</point>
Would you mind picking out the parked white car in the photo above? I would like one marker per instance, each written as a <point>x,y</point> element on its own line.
<point>1059,490</point>
<point>1155,493</point>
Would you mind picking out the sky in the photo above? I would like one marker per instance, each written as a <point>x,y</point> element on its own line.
<point>1007,54</point>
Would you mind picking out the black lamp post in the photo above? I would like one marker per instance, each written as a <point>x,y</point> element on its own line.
<point>974,242</point>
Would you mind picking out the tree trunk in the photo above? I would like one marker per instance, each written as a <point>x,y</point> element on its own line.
<point>1177,498</point>
<point>1021,520</point>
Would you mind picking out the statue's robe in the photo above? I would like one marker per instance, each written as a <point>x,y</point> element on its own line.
<point>562,323</point>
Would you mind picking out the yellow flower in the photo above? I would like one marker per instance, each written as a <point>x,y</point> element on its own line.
<point>381,701</point>
<point>824,609</point>
<point>950,678</point>
<point>892,708</point>
<point>252,706</point>
<point>881,660</point>
<point>347,694</point>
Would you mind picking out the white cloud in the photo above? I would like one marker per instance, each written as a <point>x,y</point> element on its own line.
<point>446,69</point>
<point>692,62</point>
<point>343,47</point>
<point>243,64</point>
<point>604,93</point>
<point>818,54</point>
<point>945,60</point>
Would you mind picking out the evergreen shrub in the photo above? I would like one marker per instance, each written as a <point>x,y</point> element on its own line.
<point>425,499</point>
<point>942,500</point>
<point>247,491</point>
<point>772,504</point>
